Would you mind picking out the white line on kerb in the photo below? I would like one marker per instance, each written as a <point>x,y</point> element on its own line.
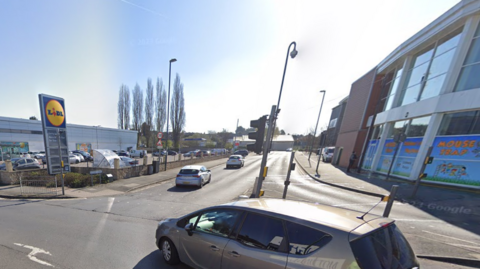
<point>34,251</point>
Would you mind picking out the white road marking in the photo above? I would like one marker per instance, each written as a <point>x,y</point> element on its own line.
<point>34,251</point>
<point>449,237</point>
<point>462,245</point>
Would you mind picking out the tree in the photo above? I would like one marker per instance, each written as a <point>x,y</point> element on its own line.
<point>240,131</point>
<point>123,107</point>
<point>126,108</point>
<point>160,105</point>
<point>177,108</point>
<point>33,118</point>
<point>137,107</point>
<point>149,103</point>
<point>282,132</point>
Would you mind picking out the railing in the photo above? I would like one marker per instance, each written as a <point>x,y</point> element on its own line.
<point>46,186</point>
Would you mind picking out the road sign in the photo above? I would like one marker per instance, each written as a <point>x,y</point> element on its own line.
<point>54,125</point>
<point>160,135</point>
<point>159,143</point>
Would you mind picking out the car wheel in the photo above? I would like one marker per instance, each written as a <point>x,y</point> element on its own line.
<point>210,178</point>
<point>169,252</point>
<point>201,184</point>
<point>76,161</point>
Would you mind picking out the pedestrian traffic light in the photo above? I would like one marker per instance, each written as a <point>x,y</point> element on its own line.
<point>258,135</point>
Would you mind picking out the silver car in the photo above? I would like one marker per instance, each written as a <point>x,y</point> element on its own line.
<point>193,175</point>
<point>277,233</point>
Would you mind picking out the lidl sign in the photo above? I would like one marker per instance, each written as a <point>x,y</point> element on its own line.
<point>53,109</point>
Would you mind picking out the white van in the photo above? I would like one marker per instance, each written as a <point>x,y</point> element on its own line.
<point>138,153</point>
<point>327,154</point>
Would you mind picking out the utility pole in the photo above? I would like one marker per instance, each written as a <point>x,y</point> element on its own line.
<point>266,147</point>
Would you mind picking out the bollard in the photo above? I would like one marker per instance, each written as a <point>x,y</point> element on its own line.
<point>8,166</point>
<point>145,160</point>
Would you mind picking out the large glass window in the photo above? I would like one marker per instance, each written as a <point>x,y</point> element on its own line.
<point>425,78</point>
<point>262,232</point>
<point>469,75</point>
<point>393,89</point>
<point>461,123</point>
<point>418,127</point>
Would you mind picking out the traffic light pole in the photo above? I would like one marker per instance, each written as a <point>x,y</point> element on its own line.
<point>266,147</point>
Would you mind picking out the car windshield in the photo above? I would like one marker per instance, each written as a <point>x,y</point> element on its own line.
<point>234,157</point>
<point>189,171</point>
<point>330,150</point>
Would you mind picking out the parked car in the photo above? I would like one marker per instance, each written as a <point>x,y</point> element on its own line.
<point>80,156</point>
<point>242,152</point>
<point>3,166</point>
<point>129,161</point>
<point>278,233</point>
<point>26,163</point>
<point>73,159</point>
<point>327,154</point>
<point>205,153</point>
<point>138,153</point>
<point>195,175</point>
<point>172,153</point>
<point>190,153</point>
<point>123,153</point>
<point>85,155</point>
<point>155,153</point>
<point>289,149</point>
<point>235,161</point>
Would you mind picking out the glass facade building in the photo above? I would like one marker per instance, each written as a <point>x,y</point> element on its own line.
<point>431,103</point>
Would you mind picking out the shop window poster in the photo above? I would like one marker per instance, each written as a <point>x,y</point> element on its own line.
<point>456,160</point>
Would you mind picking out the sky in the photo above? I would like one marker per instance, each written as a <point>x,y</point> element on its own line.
<point>230,54</point>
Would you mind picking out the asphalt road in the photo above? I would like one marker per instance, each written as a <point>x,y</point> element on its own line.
<point>118,232</point>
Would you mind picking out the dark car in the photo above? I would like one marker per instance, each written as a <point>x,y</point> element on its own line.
<point>242,152</point>
<point>172,153</point>
<point>204,152</point>
<point>123,153</point>
<point>85,155</point>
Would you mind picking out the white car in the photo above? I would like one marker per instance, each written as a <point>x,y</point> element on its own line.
<point>195,175</point>
<point>235,161</point>
<point>79,156</point>
<point>327,154</point>
<point>73,159</point>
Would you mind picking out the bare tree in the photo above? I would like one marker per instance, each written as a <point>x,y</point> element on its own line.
<point>120,107</point>
<point>126,108</point>
<point>137,107</point>
<point>149,103</point>
<point>160,105</point>
<point>177,108</point>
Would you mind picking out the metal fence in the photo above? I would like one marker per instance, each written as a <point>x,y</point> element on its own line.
<point>42,186</point>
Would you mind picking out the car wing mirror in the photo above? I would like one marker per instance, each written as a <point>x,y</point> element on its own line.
<point>209,171</point>
<point>189,229</point>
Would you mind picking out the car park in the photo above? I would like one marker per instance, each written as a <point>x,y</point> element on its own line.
<point>128,161</point>
<point>235,161</point>
<point>193,175</point>
<point>3,166</point>
<point>279,233</point>
<point>242,152</point>
<point>26,163</point>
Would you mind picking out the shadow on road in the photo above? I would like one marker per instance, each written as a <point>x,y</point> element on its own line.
<point>183,189</point>
<point>155,260</point>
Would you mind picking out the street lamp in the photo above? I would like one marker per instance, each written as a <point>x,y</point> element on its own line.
<point>96,132</point>
<point>168,106</point>
<point>293,53</point>
<point>315,134</point>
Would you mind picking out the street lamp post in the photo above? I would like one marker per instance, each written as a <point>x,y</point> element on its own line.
<point>315,134</point>
<point>292,54</point>
<point>168,106</point>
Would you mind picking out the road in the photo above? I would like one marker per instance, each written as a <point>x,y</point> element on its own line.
<point>118,232</point>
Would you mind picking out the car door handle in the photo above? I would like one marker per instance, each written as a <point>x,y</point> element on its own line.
<point>234,253</point>
<point>214,248</point>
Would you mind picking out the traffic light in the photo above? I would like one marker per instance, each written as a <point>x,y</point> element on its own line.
<point>258,135</point>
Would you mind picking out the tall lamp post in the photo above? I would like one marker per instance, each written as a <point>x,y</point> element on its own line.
<point>293,53</point>
<point>315,134</point>
<point>168,106</point>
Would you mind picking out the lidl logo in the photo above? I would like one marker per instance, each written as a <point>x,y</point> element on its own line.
<point>55,113</point>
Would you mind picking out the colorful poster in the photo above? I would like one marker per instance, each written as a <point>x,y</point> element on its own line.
<point>14,147</point>
<point>87,147</point>
<point>407,153</point>
<point>456,160</point>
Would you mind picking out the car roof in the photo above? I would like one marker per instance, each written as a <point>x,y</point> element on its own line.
<point>334,217</point>
<point>236,156</point>
<point>192,167</point>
